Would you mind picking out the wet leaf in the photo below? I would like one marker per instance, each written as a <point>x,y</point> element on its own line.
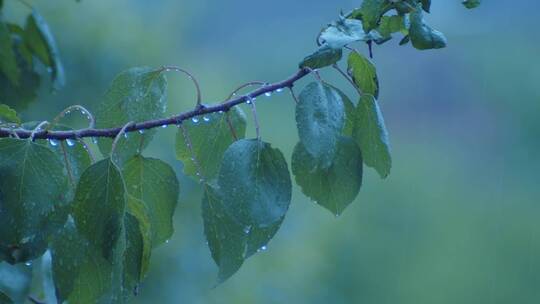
<point>423,37</point>
<point>8,61</point>
<point>210,136</point>
<point>320,119</point>
<point>323,57</point>
<point>8,115</point>
<point>364,74</point>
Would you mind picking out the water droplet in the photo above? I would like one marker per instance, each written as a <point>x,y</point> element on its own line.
<point>53,142</point>
<point>167,241</point>
<point>206,118</point>
<point>141,131</point>
<point>279,90</point>
<point>263,248</point>
<point>268,94</point>
<point>164,126</point>
<point>126,135</point>
<point>195,120</point>
<point>29,263</point>
<point>249,100</point>
<point>247,229</point>
<point>70,142</point>
<point>220,111</point>
<point>94,140</point>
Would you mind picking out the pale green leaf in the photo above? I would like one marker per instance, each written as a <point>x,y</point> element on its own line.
<point>364,74</point>
<point>371,135</point>
<point>470,4</point>
<point>209,138</point>
<point>343,32</point>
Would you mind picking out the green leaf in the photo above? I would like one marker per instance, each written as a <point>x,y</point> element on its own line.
<point>423,37</point>
<point>371,12</point>
<point>15,281</point>
<point>99,206</point>
<point>226,238</point>
<point>8,115</point>
<point>209,140</point>
<point>343,32</point>
<point>137,94</point>
<point>470,4</point>
<point>40,40</point>
<point>4,299</point>
<point>323,57</point>
<point>350,112</point>
<point>80,273</point>
<point>8,61</point>
<point>426,5</point>
<point>255,183</point>
<point>320,118</point>
<point>231,243</point>
<point>335,187</point>
<point>19,96</point>
<point>152,183</point>
<point>390,25</point>
<point>371,135</point>
<point>364,74</point>
<point>33,190</point>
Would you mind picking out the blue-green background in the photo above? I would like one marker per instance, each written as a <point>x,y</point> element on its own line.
<point>456,222</point>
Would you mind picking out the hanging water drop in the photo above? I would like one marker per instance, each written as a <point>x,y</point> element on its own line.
<point>141,131</point>
<point>164,126</point>
<point>126,135</point>
<point>53,142</point>
<point>167,241</point>
<point>268,94</point>
<point>249,100</point>
<point>29,263</point>
<point>247,229</point>
<point>263,248</point>
<point>206,118</point>
<point>70,142</point>
<point>279,90</point>
<point>195,120</point>
<point>94,140</point>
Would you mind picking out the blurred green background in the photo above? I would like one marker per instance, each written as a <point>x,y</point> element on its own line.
<point>457,220</point>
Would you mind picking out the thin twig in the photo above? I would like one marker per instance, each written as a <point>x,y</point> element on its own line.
<point>190,76</point>
<point>291,89</point>
<point>336,67</point>
<point>83,110</point>
<point>150,124</point>
<point>187,141</point>
<point>245,85</point>
<point>255,119</point>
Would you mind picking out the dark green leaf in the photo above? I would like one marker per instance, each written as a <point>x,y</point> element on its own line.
<point>99,206</point>
<point>364,74</point>
<point>226,238</point>
<point>405,40</point>
<point>8,115</point>
<point>320,119</point>
<point>209,140</point>
<point>153,183</point>
<point>15,281</point>
<point>19,96</point>
<point>231,243</point>
<point>40,40</point>
<point>136,95</point>
<point>323,57</point>
<point>255,183</point>
<point>423,37</point>
<point>33,190</point>
<point>350,112</point>
<point>426,5</point>
<point>335,187</point>
<point>371,135</point>
<point>8,61</point>
<point>4,299</point>
<point>471,3</point>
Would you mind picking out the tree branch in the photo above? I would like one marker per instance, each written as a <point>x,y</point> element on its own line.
<point>150,124</point>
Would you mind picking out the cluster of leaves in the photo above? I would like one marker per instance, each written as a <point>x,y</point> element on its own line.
<point>95,224</point>
<point>24,50</point>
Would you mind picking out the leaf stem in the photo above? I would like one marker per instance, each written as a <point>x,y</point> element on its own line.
<point>191,77</point>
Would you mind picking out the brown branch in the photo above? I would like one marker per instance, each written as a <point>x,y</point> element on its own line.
<point>150,124</point>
